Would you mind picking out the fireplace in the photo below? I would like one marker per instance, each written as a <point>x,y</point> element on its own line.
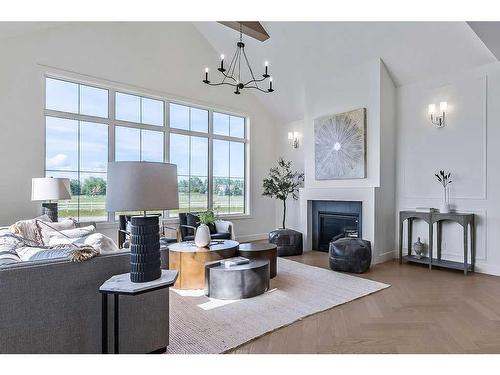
<point>334,219</point>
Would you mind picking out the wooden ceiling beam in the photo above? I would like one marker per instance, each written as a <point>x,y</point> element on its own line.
<point>252,29</point>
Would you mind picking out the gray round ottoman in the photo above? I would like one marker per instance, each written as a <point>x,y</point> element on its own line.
<point>237,282</point>
<point>288,241</point>
<point>350,255</point>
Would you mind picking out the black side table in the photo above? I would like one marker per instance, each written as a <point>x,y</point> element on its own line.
<point>121,285</point>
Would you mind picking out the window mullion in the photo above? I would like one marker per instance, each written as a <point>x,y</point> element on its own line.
<point>210,176</point>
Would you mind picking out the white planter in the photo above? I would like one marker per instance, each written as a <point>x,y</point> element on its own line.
<point>202,236</point>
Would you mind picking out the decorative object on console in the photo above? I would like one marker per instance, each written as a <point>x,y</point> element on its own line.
<point>49,189</point>
<point>425,209</point>
<point>419,248</point>
<point>444,179</point>
<point>350,255</point>
<point>232,76</point>
<point>143,186</point>
<point>282,182</point>
<point>293,138</point>
<point>438,120</point>
<point>340,145</point>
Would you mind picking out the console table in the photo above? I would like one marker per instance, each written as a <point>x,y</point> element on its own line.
<point>465,220</point>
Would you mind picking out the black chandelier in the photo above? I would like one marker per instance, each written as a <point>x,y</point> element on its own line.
<point>232,75</point>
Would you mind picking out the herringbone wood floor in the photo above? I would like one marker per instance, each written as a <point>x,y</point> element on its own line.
<point>438,311</point>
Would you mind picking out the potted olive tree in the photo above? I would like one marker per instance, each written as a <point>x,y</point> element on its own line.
<point>281,183</point>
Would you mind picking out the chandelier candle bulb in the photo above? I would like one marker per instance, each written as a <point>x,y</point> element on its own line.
<point>266,64</point>
<point>206,76</point>
<point>222,63</point>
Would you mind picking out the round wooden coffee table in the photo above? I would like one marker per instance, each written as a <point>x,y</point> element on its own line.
<point>190,260</point>
<point>261,250</point>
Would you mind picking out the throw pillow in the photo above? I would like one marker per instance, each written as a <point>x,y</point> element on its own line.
<point>101,243</point>
<point>28,229</point>
<point>44,230</point>
<point>223,226</point>
<point>61,237</point>
<point>9,242</point>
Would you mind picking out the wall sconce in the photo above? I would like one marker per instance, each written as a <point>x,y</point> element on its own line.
<point>438,120</point>
<point>293,137</point>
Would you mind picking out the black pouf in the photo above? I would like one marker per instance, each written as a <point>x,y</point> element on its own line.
<point>288,241</point>
<point>145,263</point>
<point>350,255</point>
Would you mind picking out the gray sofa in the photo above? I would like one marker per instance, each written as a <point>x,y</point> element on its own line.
<point>54,307</point>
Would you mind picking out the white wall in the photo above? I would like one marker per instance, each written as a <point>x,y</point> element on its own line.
<point>166,58</point>
<point>467,146</point>
<point>385,205</point>
<point>296,156</point>
<point>370,86</point>
<point>339,92</point>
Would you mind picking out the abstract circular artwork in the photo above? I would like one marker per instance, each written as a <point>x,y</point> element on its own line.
<point>340,145</point>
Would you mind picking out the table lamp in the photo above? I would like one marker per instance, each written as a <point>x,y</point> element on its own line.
<point>142,186</point>
<point>50,189</point>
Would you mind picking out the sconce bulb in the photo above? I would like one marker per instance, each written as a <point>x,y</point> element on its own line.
<point>290,136</point>
<point>270,79</point>
<point>266,63</point>
<point>432,109</point>
<point>206,70</point>
<point>222,57</point>
<point>443,106</point>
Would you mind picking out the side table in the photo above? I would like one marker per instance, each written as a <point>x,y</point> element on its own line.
<point>121,285</point>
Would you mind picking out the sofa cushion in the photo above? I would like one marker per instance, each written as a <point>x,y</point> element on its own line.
<point>51,254</point>
<point>56,238</point>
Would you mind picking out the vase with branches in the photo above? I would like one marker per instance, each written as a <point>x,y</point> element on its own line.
<point>444,179</point>
<point>282,182</point>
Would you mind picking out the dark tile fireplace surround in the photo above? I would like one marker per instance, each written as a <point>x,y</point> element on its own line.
<point>334,219</point>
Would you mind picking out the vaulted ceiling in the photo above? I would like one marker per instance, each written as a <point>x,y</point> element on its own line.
<point>301,51</point>
<point>297,51</point>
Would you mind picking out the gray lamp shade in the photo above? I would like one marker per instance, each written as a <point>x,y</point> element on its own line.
<point>49,188</point>
<point>141,186</point>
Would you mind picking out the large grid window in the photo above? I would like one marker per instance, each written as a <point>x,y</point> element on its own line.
<point>87,126</point>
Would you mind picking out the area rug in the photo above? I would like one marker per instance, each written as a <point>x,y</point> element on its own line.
<point>199,324</point>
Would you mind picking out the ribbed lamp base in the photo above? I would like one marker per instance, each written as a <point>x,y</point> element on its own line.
<point>145,264</point>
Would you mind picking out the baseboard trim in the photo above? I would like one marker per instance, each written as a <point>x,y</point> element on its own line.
<point>384,257</point>
<point>252,237</point>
